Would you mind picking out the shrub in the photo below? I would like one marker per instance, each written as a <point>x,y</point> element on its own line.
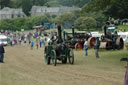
<point>23,23</point>
<point>85,23</point>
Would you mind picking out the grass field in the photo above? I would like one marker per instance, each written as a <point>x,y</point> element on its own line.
<point>123,27</point>
<point>26,67</point>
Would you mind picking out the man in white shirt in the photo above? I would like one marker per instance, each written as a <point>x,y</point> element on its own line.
<point>86,47</point>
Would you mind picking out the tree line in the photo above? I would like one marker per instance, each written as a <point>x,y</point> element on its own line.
<point>92,16</point>
<point>23,23</point>
<point>111,8</point>
<point>80,21</point>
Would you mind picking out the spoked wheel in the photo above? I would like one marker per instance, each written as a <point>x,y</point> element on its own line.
<point>47,58</point>
<point>91,42</point>
<point>71,56</point>
<point>54,59</point>
<point>119,43</point>
<point>77,46</point>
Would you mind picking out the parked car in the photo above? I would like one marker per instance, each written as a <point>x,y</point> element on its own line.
<point>3,40</point>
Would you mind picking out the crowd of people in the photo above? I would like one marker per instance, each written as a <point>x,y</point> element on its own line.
<point>33,39</point>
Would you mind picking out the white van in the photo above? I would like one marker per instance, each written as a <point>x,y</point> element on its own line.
<point>3,40</point>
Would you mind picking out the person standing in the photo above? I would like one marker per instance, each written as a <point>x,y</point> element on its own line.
<point>2,51</point>
<point>114,43</point>
<point>86,47</point>
<point>20,41</point>
<point>25,41</point>
<point>32,44</point>
<point>40,40</point>
<point>96,47</point>
<point>11,41</point>
<point>37,42</point>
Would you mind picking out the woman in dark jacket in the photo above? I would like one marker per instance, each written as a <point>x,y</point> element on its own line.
<point>2,51</point>
<point>96,46</point>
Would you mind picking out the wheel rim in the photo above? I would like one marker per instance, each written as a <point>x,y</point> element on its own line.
<point>54,57</point>
<point>91,42</point>
<point>71,57</point>
<point>119,43</point>
<point>45,56</point>
<point>77,46</point>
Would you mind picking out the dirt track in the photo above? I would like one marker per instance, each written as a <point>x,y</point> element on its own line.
<point>26,67</point>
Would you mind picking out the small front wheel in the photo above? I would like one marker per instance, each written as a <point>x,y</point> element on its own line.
<point>71,56</point>
<point>54,59</point>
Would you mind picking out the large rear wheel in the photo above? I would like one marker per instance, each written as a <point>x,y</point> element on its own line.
<point>91,42</point>
<point>119,43</point>
<point>78,46</point>
<point>54,59</point>
<point>71,56</point>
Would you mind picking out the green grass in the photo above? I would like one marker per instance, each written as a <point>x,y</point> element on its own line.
<point>110,58</point>
<point>123,27</point>
<point>26,67</point>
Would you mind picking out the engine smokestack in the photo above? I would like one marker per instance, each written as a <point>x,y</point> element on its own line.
<point>105,30</point>
<point>73,30</point>
<point>59,33</point>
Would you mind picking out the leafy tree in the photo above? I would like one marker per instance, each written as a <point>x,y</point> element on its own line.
<point>23,23</point>
<point>112,8</point>
<point>79,3</point>
<point>6,24</point>
<point>5,3</point>
<point>96,5</point>
<point>85,23</point>
<point>118,10</point>
<point>76,13</point>
<point>52,3</point>
<point>26,6</point>
<point>66,19</point>
<point>39,2</point>
<point>98,16</point>
<point>78,23</point>
<point>66,2</point>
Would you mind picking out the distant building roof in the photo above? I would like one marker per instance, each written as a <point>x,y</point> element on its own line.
<point>39,10</point>
<point>7,12</point>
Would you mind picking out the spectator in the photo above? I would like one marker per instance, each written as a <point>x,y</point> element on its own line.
<point>2,51</point>
<point>15,41</point>
<point>114,43</point>
<point>86,47</point>
<point>40,40</point>
<point>25,41</point>
<point>96,47</point>
<point>37,42</point>
<point>32,44</point>
<point>20,41</point>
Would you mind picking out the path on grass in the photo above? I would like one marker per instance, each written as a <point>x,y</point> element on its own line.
<point>26,67</point>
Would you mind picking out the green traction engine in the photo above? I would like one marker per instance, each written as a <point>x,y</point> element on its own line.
<point>58,50</point>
